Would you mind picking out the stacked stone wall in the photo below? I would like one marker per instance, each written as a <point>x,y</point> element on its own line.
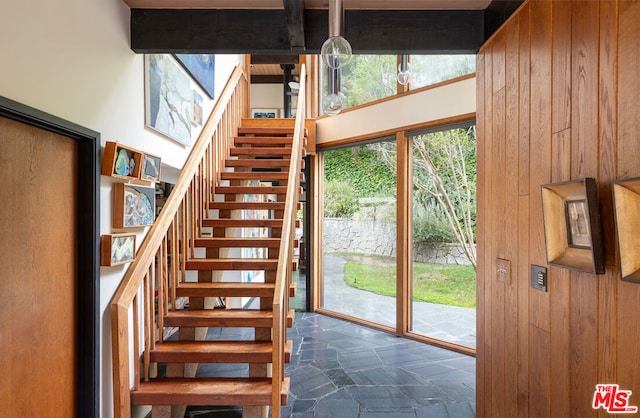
<point>379,238</point>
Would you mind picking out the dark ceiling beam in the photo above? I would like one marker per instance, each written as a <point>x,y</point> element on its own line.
<point>294,13</point>
<point>267,32</point>
<point>497,12</point>
<point>275,59</point>
<point>266,79</point>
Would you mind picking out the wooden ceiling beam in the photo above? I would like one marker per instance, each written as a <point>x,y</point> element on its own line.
<point>294,13</point>
<point>267,32</point>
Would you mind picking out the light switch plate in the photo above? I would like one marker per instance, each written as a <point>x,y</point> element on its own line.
<point>539,277</point>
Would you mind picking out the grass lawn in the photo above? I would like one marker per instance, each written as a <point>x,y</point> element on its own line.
<point>437,283</point>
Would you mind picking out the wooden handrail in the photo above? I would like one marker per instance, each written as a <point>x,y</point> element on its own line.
<point>285,257</point>
<point>160,261</point>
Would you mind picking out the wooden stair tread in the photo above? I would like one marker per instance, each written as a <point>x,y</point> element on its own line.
<point>263,140</point>
<point>249,205</point>
<point>230,289</point>
<point>245,223</point>
<point>262,151</point>
<point>250,318</point>
<point>217,352</point>
<point>255,175</point>
<point>251,190</point>
<point>242,223</point>
<point>206,264</point>
<point>259,162</point>
<point>215,391</point>
<point>228,242</point>
<point>266,131</point>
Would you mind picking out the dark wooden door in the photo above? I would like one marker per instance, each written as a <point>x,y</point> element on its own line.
<point>38,272</point>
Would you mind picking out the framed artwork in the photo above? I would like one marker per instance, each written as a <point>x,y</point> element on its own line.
<point>133,206</point>
<point>201,67</point>
<point>121,161</point>
<point>264,113</point>
<point>572,227</point>
<point>117,249</point>
<point>168,98</point>
<point>626,203</point>
<point>150,170</point>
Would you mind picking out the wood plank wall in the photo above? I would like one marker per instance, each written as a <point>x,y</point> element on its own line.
<point>558,90</point>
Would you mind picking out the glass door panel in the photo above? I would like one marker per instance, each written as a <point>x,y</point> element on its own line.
<point>359,232</point>
<point>443,279</point>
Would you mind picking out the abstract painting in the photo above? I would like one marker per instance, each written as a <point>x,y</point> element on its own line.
<point>118,249</point>
<point>150,168</point>
<point>201,67</point>
<point>133,206</point>
<point>169,98</point>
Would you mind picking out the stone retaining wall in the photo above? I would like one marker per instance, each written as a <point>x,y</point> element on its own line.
<point>375,237</point>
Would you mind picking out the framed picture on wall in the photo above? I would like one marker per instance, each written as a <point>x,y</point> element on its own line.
<point>572,227</point>
<point>201,67</point>
<point>117,249</point>
<point>264,113</point>
<point>626,204</point>
<point>168,98</point>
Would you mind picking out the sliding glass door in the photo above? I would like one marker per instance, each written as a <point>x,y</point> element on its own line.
<point>443,280</point>
<point>359,232</point>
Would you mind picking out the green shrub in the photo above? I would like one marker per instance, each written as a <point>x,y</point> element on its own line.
<point>340,200</point>
<point>431,227</point>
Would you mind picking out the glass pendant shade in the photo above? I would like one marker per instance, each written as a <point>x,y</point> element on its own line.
<point>404,73</point>
<point>332,103</point>
<point>336,52</point>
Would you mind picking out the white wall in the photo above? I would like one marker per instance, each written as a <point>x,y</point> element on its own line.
<point>267,96</point>
<point>71,58</point>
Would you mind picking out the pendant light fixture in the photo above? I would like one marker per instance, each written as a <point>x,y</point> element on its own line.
<point>404,70</point>
<point>336,53</point>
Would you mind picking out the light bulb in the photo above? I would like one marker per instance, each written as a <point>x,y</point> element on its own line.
<point>404,76</point>
<point>332,103</point>
<point>336,52</point>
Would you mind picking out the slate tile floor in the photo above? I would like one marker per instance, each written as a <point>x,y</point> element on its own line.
<point>343,370</point>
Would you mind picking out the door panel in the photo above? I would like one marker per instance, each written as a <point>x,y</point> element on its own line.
<point>38,278</point>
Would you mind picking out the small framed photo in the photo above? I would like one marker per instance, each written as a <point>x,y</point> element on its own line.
<point>572,226</point>
<point>264,113</point>
<point>117,249</point>
<point>578,233</point>
<point>150,168</point>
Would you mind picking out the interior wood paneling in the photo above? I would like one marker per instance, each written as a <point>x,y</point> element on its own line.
<point>567,109</point>
<point>38,350</point>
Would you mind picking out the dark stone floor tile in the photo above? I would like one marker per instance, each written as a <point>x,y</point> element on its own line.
<point>426,395</point>
<point>384,376</point>
<point>339,377</point>
<point>460,410</point>
<point>388,414</point>
<point>382,398</point>
<point>303,405</point>
<point>359,360</point>
<point>435,411</point>
<point>337,408</point>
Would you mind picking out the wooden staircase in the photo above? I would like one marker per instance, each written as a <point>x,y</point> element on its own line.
<point>258,155</point>
<point>195,252</point>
